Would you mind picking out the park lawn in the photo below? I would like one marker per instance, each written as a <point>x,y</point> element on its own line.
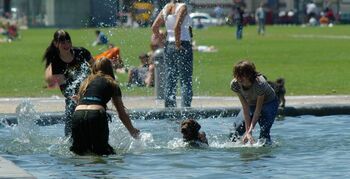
<point>313,60</point>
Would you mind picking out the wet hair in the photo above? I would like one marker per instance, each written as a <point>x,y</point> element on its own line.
<point>101,68</point>
<point>52,51</point>
<point>245,68</point>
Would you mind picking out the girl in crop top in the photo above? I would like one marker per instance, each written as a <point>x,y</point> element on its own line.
<point>258,99</point>
<point>90,124</point>
<point>178,53</point>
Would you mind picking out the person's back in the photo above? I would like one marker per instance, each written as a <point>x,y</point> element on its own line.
<point>99,91</point>
<point>260,14</point>
<point>170,21</point>
<point>238,15</point>
<point>178,52</point>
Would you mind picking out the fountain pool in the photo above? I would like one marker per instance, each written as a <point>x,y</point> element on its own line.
<point>304,146</point>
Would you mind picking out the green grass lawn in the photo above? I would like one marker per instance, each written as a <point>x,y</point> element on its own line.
<point>313,60</point>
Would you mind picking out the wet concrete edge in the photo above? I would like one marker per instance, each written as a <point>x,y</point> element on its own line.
<point>196,113</point>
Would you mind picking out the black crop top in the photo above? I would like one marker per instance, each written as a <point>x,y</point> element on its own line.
<point>99,91</point>
<point>74,72</point>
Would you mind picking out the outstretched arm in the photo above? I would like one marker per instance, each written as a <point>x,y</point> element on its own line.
<point>124,117</point>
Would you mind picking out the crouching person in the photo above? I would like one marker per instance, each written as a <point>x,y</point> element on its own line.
<point>90,131</point>
<point>258,99</point>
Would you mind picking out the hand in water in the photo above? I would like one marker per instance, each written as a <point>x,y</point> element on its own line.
<point>248,137</point>
<point>135,133</point>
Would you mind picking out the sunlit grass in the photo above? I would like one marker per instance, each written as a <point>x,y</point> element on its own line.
<point>313,60</point>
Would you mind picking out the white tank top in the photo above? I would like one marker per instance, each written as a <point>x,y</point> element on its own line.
<point>170,20</point>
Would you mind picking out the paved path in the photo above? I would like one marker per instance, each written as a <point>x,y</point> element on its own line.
<point>56,104</point>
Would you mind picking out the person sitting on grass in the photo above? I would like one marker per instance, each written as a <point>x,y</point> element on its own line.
<point>138,75</point>
<point>101,38</point>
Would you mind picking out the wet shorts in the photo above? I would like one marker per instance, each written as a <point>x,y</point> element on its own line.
<point>90,133</point>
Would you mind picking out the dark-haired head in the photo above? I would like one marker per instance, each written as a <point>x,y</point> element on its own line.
<point>246,69</point>
<point>52,51</point>
<point>61,36</point>
<point>103,66</point>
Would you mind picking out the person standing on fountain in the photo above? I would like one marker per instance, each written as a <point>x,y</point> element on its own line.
<point>178,51</point>
<point>258,99</point>
<point>90,122</point>
<point>66,67</point>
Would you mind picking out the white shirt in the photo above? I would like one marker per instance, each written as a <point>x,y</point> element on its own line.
<point>170,20</point>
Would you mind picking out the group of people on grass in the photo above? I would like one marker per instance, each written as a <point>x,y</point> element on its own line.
<point>9,29</point>
<point>88,84</point>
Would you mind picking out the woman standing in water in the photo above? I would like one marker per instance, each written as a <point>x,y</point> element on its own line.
<point>178,51</point>
<point>66,66</point>
<point>258,99</point>
<point>90,122</point>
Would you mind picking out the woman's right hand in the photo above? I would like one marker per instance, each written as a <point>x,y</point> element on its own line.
<point>135,133</point>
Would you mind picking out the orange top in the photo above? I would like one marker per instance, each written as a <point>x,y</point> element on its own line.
<point>112,54</point>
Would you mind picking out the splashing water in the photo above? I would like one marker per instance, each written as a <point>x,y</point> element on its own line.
<point>27,129</point>
<point>26,137</point>
<point>77,77</point>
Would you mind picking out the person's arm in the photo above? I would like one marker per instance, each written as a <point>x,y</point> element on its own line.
<point>51,79</point>
<point>256,115</point>
<point>249,128</point>
<point>124,117</point>
<point>247,120</point>
<point>156,25</point>
<point>179,20</point>
<point>245,107</point>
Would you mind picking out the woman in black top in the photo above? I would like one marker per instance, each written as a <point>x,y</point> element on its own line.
<point>90,123</point>
<point>66,67</point>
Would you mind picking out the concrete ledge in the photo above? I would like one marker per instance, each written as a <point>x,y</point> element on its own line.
<point>316,110</point>
<point>9,170</point>
<point>180,113</point>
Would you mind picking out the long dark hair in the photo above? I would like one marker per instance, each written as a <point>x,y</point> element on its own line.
<point>101,68</point>
<point>52,52</point>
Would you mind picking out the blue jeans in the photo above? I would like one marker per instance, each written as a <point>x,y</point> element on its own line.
<point>70,107</point>
<point>261,26</point>
<point>266,119</point>
<point>178,66</point>
<point>239,31</point>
